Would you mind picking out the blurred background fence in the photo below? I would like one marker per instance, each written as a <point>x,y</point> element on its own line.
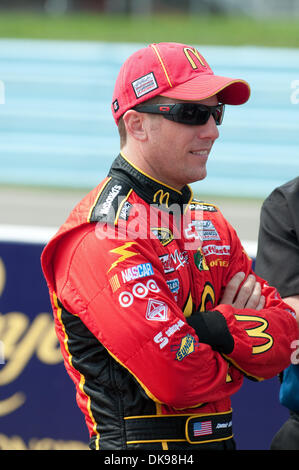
<point>57,129</point>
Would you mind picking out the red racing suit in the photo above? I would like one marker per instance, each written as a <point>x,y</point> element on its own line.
<point>133,264</point>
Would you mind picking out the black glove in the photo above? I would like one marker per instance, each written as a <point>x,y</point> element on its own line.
<point>211,328</point>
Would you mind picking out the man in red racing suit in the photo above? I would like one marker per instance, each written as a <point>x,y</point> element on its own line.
<point>137,278</point>
<point>121,307</point>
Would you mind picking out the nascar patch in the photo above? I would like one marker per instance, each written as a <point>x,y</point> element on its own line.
<point>137,272</point>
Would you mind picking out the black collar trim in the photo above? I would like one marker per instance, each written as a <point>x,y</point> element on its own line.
<point>149,189</point>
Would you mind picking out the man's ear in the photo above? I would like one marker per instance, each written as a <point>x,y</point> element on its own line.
<point>134,123</point>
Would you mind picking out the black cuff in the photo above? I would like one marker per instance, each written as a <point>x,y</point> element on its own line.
<point>211,328</point>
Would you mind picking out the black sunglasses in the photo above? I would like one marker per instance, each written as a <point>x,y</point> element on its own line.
<point>186,113</point>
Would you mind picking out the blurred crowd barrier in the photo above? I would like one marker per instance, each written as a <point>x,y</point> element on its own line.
<point>38,409</point>
<point>56,126</point>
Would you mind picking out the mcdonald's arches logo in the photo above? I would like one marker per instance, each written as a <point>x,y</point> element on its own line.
<point>189,52</point>
<point>160,197</point>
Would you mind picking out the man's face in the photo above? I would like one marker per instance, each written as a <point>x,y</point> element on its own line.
<point>178,153</point>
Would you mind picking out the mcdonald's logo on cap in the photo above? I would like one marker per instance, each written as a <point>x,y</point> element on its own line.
<point>189,51</point>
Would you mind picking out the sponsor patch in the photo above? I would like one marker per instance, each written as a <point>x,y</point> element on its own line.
<point>126,299</point>
<point>187,347</point>
<point>174,285</point>
<point>109,203</point>
<point>106,205</point>
<point>226,424</point>
<point>219,262</point>
<point>174,261</point>
<point>144,85</point>
<point>200,261</point>
<point>202,230</point>
<point>125,211</point>
<point>202,207</point>
<point>167,263</point>
<point>164,235</point>
<point>216,250</point>
<point>115,106</point>
<point>139,291</point>
<point>162,337</point>
<point>156,310</point>
<point>137,272</point>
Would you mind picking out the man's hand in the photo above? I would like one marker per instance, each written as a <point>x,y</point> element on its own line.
<point>211,327</point>
<point>249,295</point>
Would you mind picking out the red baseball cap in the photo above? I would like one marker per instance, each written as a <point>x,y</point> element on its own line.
<point>175,71</point>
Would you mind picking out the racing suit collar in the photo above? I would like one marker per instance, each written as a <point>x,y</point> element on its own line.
<point>148,188</point>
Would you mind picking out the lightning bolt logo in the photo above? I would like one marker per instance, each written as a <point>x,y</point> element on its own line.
<point>123,253</point>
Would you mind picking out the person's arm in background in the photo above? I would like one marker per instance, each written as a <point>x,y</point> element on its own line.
<point>277,258</point>
<point>278,261</point>
<point>293,301</point>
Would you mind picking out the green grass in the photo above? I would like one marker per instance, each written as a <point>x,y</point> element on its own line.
<point>214,30</point>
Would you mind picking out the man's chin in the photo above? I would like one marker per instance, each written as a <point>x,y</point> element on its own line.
<point>198,177</point>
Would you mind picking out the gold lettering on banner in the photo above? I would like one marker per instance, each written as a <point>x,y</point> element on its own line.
<point>12,403</point>
<point>2,276</point>
<point>22,340</point>
<point>47,443</point>
<point>189,51</point>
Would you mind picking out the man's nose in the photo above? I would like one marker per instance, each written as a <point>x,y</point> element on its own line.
<point>209,130</point>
